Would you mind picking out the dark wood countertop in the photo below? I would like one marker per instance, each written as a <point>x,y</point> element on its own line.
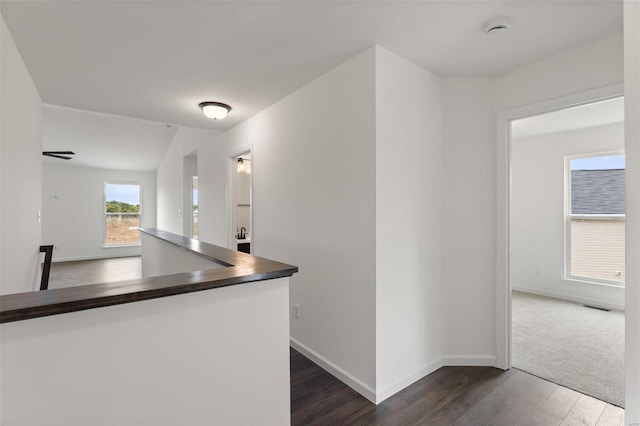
<point>239,268</point>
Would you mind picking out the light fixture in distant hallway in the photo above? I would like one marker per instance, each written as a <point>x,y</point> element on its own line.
<point>215,110</point>
<point>244,165</point>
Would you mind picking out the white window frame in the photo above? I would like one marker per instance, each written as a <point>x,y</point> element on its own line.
<point>104,215</point>
<point>568,275</point>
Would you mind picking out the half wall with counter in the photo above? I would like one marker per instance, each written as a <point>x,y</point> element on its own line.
<point>204,346</point>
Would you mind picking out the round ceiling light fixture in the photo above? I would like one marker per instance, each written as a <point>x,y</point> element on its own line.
<point>215,110</point>
<point>497,27</point>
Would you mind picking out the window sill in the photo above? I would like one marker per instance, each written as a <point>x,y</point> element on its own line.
<point>584,282</point>
<point>122,245</point>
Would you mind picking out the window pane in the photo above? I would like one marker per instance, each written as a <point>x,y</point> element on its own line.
<point>598,243</point>
<point>597,185</point>
<point>122,214</point>
<point>597,249</point>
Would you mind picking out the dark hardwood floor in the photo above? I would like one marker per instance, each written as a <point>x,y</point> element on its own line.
<point>81,272</point>
<point>458,396</point>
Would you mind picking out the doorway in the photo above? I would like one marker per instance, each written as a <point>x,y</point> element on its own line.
<point>190,196</point>
<point>565,270</point>
<point>194,207</point>
<point>241,202</point>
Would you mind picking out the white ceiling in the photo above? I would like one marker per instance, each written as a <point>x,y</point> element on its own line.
<point>104,140</point>
<point>579,117</point>
<point>156,60</point>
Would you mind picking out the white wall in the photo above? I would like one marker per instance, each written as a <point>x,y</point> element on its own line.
<point>170,183</point>
<point>318,214</point>
<point>470,181</point>
<point>537,212</point>
<point>73,210</point>
<point>591,66</point>
<point>160,257</point>
<point>468,221</point>
<point>316,199</point>
<point>408,223</point>
<point>212,181</point>
<point>189,169</point>
<point>213,177</point>
<point>313,165</point>
<point>215,357</point>
<point>20,172</point>
<point>632,147</point>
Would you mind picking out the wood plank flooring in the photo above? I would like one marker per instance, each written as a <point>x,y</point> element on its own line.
<point>81,272</point>
<point>460,396</point>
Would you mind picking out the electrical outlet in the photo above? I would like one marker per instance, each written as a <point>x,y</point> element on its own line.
<point>296,310</point>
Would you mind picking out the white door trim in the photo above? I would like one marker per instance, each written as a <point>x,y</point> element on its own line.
<point>503,200</point>
<point>231,198</point>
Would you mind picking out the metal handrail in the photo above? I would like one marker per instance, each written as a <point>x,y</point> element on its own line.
<point>46,269</point>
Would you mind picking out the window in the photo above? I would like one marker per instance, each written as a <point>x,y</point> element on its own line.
<point>595,220</point>
<point>122,214</point>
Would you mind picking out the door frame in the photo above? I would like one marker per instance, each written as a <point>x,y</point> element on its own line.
<point>232,197</point>
<point>503,202</point>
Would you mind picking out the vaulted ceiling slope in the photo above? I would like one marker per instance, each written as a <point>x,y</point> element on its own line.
<point>156,60</point>
<point>104,141</point>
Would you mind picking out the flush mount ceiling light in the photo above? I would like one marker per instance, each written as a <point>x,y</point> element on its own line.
<point>497,27</point>
<point>215,110</point>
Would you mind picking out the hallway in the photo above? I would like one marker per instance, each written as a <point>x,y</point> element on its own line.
<point>460,396</point>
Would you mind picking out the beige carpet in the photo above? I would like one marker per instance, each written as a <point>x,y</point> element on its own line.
<point>566,343</point>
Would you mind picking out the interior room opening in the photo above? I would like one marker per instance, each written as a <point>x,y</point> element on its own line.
<point>567,247</point>
<point>242,225</point>
<point>190,198</point>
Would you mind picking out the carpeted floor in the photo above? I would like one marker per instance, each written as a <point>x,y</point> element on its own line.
<point>566,343</point>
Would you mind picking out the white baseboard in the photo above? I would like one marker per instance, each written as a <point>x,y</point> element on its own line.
<point>377,397</point>
<point>469,361</point>
<point>412,378</point>
<point>345,377</point>
<point>583,300</point>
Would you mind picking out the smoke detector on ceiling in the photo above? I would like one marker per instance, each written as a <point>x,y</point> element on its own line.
<point>497,27</point>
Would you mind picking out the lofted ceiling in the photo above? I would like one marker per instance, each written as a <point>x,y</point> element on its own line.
<point>103,140</point>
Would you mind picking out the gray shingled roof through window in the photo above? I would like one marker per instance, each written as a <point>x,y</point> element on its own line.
<point>597,191</point>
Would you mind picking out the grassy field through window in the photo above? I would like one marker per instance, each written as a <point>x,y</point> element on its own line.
<point>122,229</point>
<point>122,214</point>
